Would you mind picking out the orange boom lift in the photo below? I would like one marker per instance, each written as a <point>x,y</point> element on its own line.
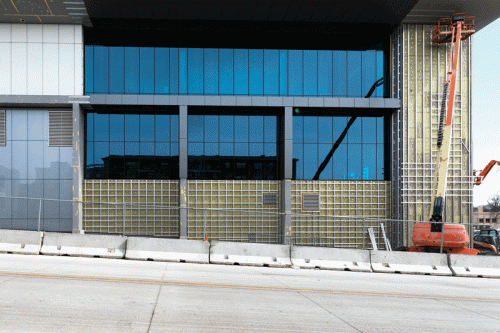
<point>436,236</point>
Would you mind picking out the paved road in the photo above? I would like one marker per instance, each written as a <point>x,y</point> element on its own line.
<point>65,294</point>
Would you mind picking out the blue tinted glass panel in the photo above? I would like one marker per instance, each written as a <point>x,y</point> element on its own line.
<point>226,128</point>
<point>195,71</point>
<point>339,124</point>
<point>270,129</point>
<point>117,148</point>
<point>162,127</point>
<point>380,162</point>
<point>353,73</point>
<point>325,73</point>
<point>380,130</point>
<point>211,71</point>
<point>298,129</point>
<point>131,127</point>
<point>226,149</point>
<point>369,75</point>
<point>174,71</point>
<point>116,70</point>
<point>298,161</point>
<point>354,134</point>
<point>256,129</point>
<point>195,128</point>
<point>369,162</point>
<point>339,73</point>
<point>310,129</point>
<point>147,127</point>
<point>211,129</point>
<point>256,149</point>
<point>325,130</point>
<point>241,149</point>
<point>89,158</point>
<point>310,160</point>
<point>162,149</point>
<point>174,149</point>
<point>117,127</point>
<point>90,127</point>
<point>101,70</point>
<point>310,73</point>
<point>101,127</point>
<point>131,148</point>
<point>195,149</point>
<point>174,128</point>
<point>147,148</point>
<point>380,72</point>
<point>101,150</point>
<point>295,76</point>
<point>339,160</point>
<point>369,130</point>
<point>283,72</point>
<point>162,70</point>
<point>240,72</point>
<point>211,149</point>
<point>147,70</point>
<point>89,69</point>
<point>323,150</point>
<point>271,72</point>
<point>241,128</point>
<point>256,71</point>
<point>354,161</point>
<point>226,72</point>
<point>183,71</point>
<point>270,149</point>
<point>131,70</point>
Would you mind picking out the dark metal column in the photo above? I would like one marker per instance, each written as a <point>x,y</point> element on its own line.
<point>286,182</point>
<point>78,167</point>
<point>183,171</point>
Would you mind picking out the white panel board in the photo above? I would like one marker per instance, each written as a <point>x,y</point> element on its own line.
<point>19,68</point>
<point>5,32</point>
<point>19,33</point>
<point>66,34</point>
<point>35,33</point>
<point>50,33</point>
<point>50,69</point>
<point>78,69</point>
<point>5,69</point>
<point>35,69</point>
<point>66,69</point>
<point>78,34</point>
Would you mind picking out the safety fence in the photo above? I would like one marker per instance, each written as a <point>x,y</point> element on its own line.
<point>252,226</point>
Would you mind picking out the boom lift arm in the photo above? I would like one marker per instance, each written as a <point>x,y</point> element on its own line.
<point>478,180</point>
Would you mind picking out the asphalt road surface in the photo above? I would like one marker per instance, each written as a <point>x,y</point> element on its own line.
<point>69,294</point>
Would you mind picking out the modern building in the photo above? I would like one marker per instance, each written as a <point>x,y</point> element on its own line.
<point>184,118</point>
<point>485,218</point>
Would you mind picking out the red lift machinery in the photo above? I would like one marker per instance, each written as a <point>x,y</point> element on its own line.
<point>478,180</point>
<point>436,236</point>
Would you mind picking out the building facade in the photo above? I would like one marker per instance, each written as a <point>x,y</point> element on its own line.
<point>236,124</point>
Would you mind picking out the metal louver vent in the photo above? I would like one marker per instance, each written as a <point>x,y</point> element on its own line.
<point>3,129</point>
<point>310,201</point>
<point>270,199</point>
<point>60,129</point>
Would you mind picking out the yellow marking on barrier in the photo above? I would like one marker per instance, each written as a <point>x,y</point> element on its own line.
<point>245,287</point>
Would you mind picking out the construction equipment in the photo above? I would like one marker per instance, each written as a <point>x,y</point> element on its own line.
<point>488,243</point>
<point>479,175</point>
<point>437,236</point>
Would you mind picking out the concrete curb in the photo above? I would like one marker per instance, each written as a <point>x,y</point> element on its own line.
<point>250,254</point>
<point>410,263</point>
<point>163,249</point>
<point>331,258</point>
<point>474,266</point>
<point>104,246</point>
<point>20,241</point>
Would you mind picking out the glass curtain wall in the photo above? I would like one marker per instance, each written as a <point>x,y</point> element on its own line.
<point>245,72</point>
<point>360,156</point>
<point>132,146</point>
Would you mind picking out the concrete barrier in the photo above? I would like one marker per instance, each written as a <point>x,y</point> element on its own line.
<point>409,262</point>
<point>104,246</point>
<point>331,258</point>
<point>250,254</point>
<point>475,266</point>
<point>162,249</point>
<point>20,241</point>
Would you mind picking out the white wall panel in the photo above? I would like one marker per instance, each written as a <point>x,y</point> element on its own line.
<point>50,69</point>
<point>50,33</point>
<point>19,33</point>
<point>35,68</point>
<point>78,69</point>
<point>78,34</point>
<point>5,69</point>
<point>66,34</point>
<point>19,68</point>
<point>35,33</point>
<point>5,32</point>
<point>66,69</point>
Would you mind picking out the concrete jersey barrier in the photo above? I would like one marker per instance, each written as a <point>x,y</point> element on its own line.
<point>331,258</point>
<point>104,246</point>
<point>251,254</point>
<point>163,249</point>
<point>20,241</point>
<point>475,266</point>
<point>409,262</point>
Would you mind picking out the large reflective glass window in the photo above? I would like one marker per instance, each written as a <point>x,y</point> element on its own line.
<point>147,70</point>
<point>117,70</point>
<point>256,72</point>
<point>241,72</point>
<point>228,146</point>
<point>132,70</point>
<point>183,71</point>
<point>226,71</point>
<point>162,70</point>
<point>271,72</point>
<point>132,146</point>
<point>311,73</point>
<point>211,71</point>
<point>101,70</point>
<point>359,155</point>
